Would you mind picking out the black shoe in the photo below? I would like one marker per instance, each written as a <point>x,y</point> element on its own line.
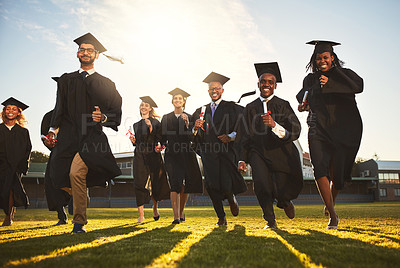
<point>271,225</point>
<point>157,218</point>
<point>176,221</point>
<point>222,222</point>
<point>289,210</point>
<point>182,219</point>
<point>71,206</point>
<point>61,222</point>
<point>233,204</point>
<point>78,228</point>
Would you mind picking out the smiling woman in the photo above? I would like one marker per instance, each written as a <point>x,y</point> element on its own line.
<point>15,147</point>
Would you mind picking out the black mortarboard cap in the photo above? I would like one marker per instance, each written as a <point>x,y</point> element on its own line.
<point>214,77</point>
<point>178,91</point>
<point>322,46</point>
<point>13,101</point>
<point>269,67</point>
<point>149,100</point>
<point>90,39</point>
<point>55,78</point>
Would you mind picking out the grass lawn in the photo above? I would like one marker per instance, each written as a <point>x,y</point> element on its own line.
<point>368,236</point>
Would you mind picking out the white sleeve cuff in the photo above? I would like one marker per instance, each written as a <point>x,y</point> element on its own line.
<point>105,119</point>
<point>280,131</point>
<point>232,135</point>
<point>54,130</point>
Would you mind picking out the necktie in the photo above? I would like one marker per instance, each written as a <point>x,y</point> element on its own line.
<point>213,108</point>
<point>84,74</point>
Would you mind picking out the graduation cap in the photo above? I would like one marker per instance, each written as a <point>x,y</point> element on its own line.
<point>246,94</point>
<point>178,91</point>
<point>13,101</point>
<point>149,100</point>
<point>90,39</point>
<point>55,78</point>
<point>214,77</point>
<point>322,46</point>
<point>269,67</point>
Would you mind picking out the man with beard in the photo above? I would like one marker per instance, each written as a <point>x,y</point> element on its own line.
<point>266,140</point>
<point>86,101</point>
<point>215,129</point>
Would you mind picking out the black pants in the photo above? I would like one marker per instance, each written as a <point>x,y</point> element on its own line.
<point>268,186</point>
<point>217,197</point>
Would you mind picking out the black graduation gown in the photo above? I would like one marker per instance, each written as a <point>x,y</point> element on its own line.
<point>56,198</point>
<point>335,125</point>
<point>180,159</point>
<point>15,148</point>
<point>76,98</point>
<point>219,159</point>
<point>147,164</point>
<point>279,157</point>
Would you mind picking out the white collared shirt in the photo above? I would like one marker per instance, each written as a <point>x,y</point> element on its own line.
<point>90,72</point>
<point>278,130</point>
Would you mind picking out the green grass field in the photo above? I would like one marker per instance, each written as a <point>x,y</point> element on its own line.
<point>368,236</point>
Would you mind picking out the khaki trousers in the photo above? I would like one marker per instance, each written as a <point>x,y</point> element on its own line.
<point>77,176</point>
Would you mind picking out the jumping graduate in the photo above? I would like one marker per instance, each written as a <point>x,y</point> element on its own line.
<point>265,139</point>
<point>86,101</point>
<point>15,148</point>
<point>150,179</point>
<point>180,160</point>
<point>215,132</point>
<point>335,125</point>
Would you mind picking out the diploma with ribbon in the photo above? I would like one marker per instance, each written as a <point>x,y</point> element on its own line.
<point>202,112</point>
<point>47,137</point>
<point>305,102</point>
<point>130,133</point>
<point>266,111</point>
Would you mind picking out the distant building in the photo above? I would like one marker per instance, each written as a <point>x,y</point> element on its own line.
<point>387,172</point>
<point>372,181</point>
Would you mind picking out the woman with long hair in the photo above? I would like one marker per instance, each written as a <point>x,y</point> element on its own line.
<point>335,126</point>
<point>150,179</point>
<point>15,148</point>
<point>180,160</point>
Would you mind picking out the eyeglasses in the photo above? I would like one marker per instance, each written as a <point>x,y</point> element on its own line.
<point>214,88</point>
<point>88,50</point>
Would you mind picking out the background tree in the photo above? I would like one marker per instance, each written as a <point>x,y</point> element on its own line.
<point>39,157</point>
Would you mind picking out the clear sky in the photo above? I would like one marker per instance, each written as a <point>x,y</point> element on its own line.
<point>177,43</point>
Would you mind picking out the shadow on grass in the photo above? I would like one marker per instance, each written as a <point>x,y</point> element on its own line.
<point>332,251</point>
<point>7,230</point>
<point>378,233</point>
<point>30,247</point>
<point>135,251</point>
<point>235,249</point>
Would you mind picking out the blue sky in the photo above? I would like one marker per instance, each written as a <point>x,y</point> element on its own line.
<point>177,43</point>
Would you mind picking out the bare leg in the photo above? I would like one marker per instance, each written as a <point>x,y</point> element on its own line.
<point>156,215</point>
<point>9,217</point>
<point>326,195</point>
<point>184,198</point>
<point>334,193</point>
<point>141,214</point>
<point>175,201</point>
